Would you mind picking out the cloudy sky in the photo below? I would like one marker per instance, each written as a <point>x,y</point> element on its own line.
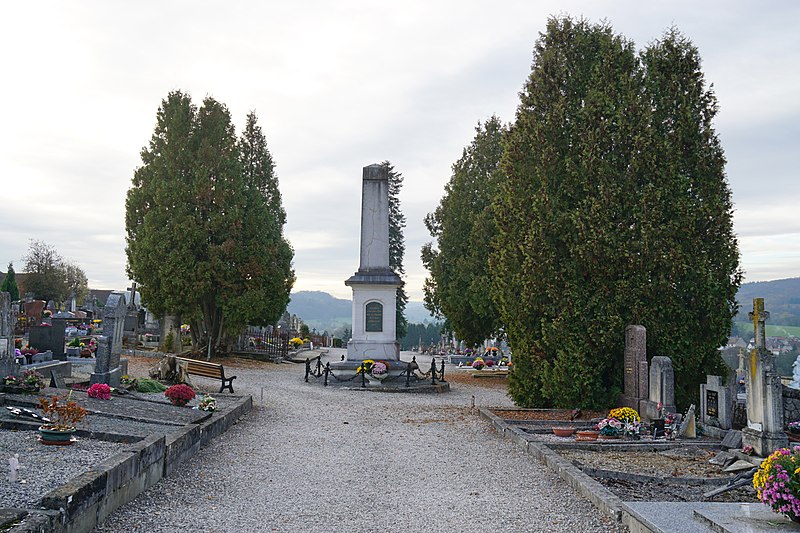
<point>340,85</point>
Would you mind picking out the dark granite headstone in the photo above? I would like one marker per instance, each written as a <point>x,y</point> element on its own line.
<point>51,338</point>
<point>635,368</point>
<point>8,363</point>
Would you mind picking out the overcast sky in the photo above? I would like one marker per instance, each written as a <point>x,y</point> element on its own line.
<point>338,86</point>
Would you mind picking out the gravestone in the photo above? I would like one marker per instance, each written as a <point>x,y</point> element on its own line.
<point>106,366</point>
<point>51,337</point>
<point>375,284</point>
<point>109,346</point>
<point>687,427</point>
<point>716,403</point>
<point>661,390</point>
<point>764,431</point>
<point>8,364</point>
<point>637,390</point>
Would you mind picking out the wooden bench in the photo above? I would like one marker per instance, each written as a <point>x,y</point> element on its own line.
<point>208,370</point>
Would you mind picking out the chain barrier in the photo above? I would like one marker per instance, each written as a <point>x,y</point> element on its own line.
<point>411,371</point>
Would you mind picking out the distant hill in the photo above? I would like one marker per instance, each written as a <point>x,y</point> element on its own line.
<point>781,299</point>
<point>324,312</point>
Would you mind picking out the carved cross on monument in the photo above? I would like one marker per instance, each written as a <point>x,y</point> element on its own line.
<point>132,301</point>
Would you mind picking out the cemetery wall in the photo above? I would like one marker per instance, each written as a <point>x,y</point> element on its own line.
<point>791,405</point>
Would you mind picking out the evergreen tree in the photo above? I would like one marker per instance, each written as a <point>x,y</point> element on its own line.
<point>594,231</point>
<point>459,286</point>
<point>204,223</point>
<point>9,284</point>
<point>397,245</point>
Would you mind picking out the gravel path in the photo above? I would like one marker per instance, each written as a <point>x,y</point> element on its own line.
<point>314,459</point>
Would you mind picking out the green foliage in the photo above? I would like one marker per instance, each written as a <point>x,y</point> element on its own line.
<point>397,246</point>
<point>304,330</point>
<point>9,284</point>
<point>148,385</point>
<point>781,296</point>
<point>51,277</point>
<point>421,335</point>
<point>615,211</point>
<point>459,286</point>
<point>204,223</point>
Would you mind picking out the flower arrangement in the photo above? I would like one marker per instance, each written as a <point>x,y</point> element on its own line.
<point>297,341</point>
<point>794,427</point>
<point>365,366</point>
<point>624,413</point>
<point>777,482</point>
<point>748,450</point>
<point>75,343</point>
<point>180,395</point>
<point>18,343</point>
<point>100,391</point>
<point>610,427</point>
<point>29,351</point>
<point>380,368</point>
<point>11,380</point>
<point>64,416</point>
<point>489,362</point>
<point>32,379</point>
<point>47,313</point>
<point>126,380</point>
<point>207,403</point>
<point>478,363</point>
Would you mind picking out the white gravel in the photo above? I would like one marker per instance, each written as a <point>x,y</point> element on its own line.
<point>44,468</point>
<point>310,458</point>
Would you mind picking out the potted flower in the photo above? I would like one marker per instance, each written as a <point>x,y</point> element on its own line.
<point>74,347</point>
<point>32,381</point>
<point>478,363</point>
<point>12,384</point>
<point>100,391</point>
<point>380,370</point>
<point>777,482</point>
<point>180,395</point>
<point>63,415</point>
<point>365,366</point>
<point>794,428</point>
<point>207,403</point>
<point>610,428</point>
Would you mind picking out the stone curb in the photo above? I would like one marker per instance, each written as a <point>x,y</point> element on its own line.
<point>89,498</point>
<point>608,503</point>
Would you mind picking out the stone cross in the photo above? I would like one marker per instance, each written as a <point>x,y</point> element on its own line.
<point>764,431</point>
<point>637,389</point>
<point>759,317</point>
<point>8,364</point>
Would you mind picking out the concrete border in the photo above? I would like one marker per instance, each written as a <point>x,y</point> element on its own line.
<point>89,498</point>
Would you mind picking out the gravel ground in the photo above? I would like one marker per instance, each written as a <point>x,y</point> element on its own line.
<point>314,459</point>
<point>44,468</point>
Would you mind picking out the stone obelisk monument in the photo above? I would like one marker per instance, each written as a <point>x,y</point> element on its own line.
<point>375,284</point>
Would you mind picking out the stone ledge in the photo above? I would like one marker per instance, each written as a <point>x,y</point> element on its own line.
<point>87,499</point>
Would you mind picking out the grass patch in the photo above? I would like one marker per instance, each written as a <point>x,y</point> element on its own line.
<point>772,331</point>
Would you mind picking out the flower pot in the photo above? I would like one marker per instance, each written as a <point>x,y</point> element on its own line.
<point>56,436</point>
<point>563,432</point>
<point>586,435</point>
<point>73,351</point>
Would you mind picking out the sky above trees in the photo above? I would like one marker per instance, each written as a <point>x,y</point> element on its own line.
<point>341,85</point>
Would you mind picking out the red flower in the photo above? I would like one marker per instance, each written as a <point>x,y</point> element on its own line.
<point>180,395</point>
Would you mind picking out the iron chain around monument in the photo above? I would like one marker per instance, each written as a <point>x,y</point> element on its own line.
<point>411,374</point>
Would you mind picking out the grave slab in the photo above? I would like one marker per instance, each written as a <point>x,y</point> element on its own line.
<point>743,518</point>
<point>732,440</point>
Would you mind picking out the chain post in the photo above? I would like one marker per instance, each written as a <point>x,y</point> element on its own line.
<point>441,374</point>
<point>308,368</point>
<point>327,371</point>
<point>433,371</point>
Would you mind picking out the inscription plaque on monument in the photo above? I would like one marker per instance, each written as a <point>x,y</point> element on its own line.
<point>712,403</point>
<point>374,317</point>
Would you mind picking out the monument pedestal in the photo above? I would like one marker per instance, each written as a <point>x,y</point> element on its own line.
<point>764,442</point>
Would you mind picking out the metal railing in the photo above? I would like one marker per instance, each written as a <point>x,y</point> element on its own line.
<point>315,369</point>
